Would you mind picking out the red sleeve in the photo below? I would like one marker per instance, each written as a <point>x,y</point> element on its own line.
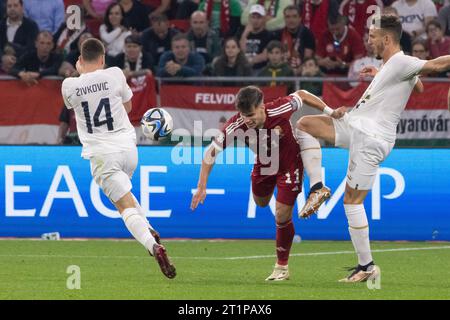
<point>284,107</point>
<point>221,141</point>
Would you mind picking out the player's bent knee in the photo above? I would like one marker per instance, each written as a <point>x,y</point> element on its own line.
<point>262,201</point>
<point>303,123</point>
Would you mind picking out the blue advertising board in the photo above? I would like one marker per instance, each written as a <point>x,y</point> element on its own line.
<point>50,189</point>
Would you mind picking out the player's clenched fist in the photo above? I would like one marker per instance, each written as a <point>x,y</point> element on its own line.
<point>339,112</point>
<point>369,71</point>
<point>198,197</point>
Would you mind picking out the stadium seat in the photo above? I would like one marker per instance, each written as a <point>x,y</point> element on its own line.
<point>182,25</point>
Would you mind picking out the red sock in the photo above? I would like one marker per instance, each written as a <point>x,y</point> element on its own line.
<point>285,235</point>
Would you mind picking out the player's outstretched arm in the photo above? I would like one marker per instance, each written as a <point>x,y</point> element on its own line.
<point>207,165</point>
<point>440,64</point>
<point>317,103</point>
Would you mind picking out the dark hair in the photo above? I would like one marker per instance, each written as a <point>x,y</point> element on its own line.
<point>159,18</point>
<point>180,36</point>
<point>243,68</point>
<point>435,23</point>
<point>389,23</point>
<point>335,19</point>
<point>293,7</point>
<point>20,1</point>
<point>248,98</point>
<point>275,44</point>
<point>421,42</point>
<point>92,49</point>
<point>106,21</point>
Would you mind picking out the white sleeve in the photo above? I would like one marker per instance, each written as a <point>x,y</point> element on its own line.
<point>67,94</point>
<point>298,102</point>
<point>109,37</point>
<point>409,67</point>
<point>429,9</point>
<point>127,94</point>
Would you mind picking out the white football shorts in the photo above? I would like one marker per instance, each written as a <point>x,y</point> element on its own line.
<point>113,172</point>
<point>365,153</point>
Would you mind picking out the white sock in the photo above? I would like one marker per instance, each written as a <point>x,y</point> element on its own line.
<point>311,153</point>
<point>138,228</point>
<point>141,211</point>
<point>359,231</point>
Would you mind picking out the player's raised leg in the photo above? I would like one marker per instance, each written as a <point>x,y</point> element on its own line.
<point>309,128</point>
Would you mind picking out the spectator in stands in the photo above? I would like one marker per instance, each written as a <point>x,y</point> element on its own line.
<point>157,7</point>
<point>67,132</point>
<point>232,62</point>
<point>17,31</point>
<point>180,62</point>
<point>113,31</point>
<point>97,8</point>
<point>444,19</point>
<point>358,11</point>
<point>40,62</point>
<point>135,15</point>
<point>186,8</point>
<point>224,16</point>
<point>310,68</point>
<point>415,14</point>
<point>359,64</point>
<point>8,61</point>
<point>158,38</point>
<point>203,40</point>
<point>276,66</point>
<point>66,39</point>
<point>405,40</point>
<point>420,49</point>
<point>255,37</point>
<point>133,61</point>
<point>297,38</point>
<point>438,44</point>
<point>48,14</point>
<point>338,47</point>
<point>316,13</point>
<point>274,13</point>
<point>67,68</point>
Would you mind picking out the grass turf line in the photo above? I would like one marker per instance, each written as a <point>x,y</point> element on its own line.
<point>210,270</point>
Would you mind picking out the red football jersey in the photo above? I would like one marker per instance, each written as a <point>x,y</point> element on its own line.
<point>277,124</point>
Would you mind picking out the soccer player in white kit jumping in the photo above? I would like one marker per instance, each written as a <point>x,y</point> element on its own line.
<point>368,131</point>
<point>101,99</point>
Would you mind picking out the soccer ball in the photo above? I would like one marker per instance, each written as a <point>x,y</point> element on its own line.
<point>157,124</point>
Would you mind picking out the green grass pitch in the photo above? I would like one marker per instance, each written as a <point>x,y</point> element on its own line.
<point>230,270</point>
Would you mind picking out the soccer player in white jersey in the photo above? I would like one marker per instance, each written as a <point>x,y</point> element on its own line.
<point>368,130</point>
<point>101,100</point>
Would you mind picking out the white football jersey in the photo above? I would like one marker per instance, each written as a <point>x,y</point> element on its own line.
<point>102,121</point>
<point>378,111</point>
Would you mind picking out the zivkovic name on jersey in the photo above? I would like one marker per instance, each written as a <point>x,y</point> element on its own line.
<point>49,189</point>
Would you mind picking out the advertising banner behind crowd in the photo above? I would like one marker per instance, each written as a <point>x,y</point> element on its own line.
<point>50,189</point>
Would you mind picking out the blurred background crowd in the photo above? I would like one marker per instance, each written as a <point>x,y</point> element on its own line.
<point>185,38</point>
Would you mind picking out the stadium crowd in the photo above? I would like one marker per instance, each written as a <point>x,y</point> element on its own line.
<point>214,38</point>
<point>184,38</point>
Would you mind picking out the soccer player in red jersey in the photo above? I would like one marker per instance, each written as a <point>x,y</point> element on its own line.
<point>266,129</point>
